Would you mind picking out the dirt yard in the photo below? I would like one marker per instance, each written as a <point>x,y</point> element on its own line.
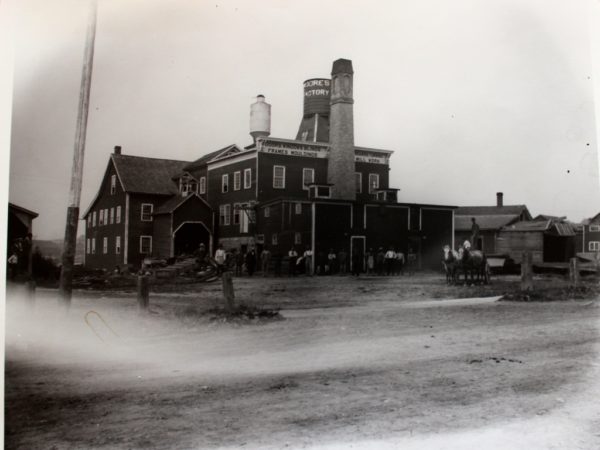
<point>355,363</point>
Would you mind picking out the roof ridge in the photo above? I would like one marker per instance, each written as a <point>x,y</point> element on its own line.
<point>150,157</point>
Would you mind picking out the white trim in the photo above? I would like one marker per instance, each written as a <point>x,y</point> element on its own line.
<point>105,245</point>
<point>113,184</point>
<point>238,158</point>
<point>142,212</point>
<point>248,178</point>
<point>595,245</point>
<point>359,191</point>
<point>224,183</point>
<point>202,185</point>
<point>190,221</point>
<point>275,166</point>
<point>126,237</point>
<point>237,174</point>
<point>596,228</point>
<point>373,188</point>
<point>118,214</point>
<point>305,186</point>
<point>140,247</point>
<point>118,244</point>
<point>297,208</point>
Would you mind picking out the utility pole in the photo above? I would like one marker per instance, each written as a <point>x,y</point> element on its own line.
<point>68,256</point>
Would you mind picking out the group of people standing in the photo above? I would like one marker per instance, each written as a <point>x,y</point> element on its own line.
<point>303,261</point>
<point>390,262</point>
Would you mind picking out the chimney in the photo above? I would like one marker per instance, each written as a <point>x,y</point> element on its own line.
<point>260,118</point>
<point>117,149</point>
<point>499,199</point>
<point>341,162</point>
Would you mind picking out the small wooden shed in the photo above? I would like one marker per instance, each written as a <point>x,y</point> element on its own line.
<point>548,240</point>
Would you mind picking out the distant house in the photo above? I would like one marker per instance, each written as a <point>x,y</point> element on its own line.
<point>491,219</point>
<point>19,226</point>
<point>591,235</point>
<point>548,240</point>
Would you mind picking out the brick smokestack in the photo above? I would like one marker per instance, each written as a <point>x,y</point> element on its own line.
<point>499,199</point>
<point>117,149</point>
<point>341,165</point>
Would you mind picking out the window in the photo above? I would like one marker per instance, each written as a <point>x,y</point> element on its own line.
<point>118,245</point>
<point>147,212</point>
<point>298,208</point>
<point>279,177</point>
<point>247,178</point>
<point>118,214</point>
<point>94,219</point>
<point>113,184</point>
<point>308,177</point>
<point>267,211</point>
<point>594,228</point>
<point>106,216</point>
<point>358,181</point>
<point>594,246</point>
<point>225,183</point>
<point>297,238</point>
<point>145,245</point>
<point>274,239</point>
<point>236,213</point>
<point>187,185</point>
<point>203,185</point>
<point>373,182</point>
<point>112,215</point>
<point>88,246</point>
<point>93,246</point>
<point>237,180</point>
<point>101,218</point>
<point>105,245</point>
<point>224,214</point>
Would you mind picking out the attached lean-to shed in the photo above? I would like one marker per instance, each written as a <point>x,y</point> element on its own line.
<point>551,240</point>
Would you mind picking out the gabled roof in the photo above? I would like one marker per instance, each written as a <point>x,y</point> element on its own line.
<point>141,175</point>
<point>491,210</point>
<point>32,214</point>
<point>556,227</point>
<point>595,219</point>
<point>147,175</point>
<point>175,202</point>
<point>543,217</point>
<point>221,153</point>
<point>485,222</point>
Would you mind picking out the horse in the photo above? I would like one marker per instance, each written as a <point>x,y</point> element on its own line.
<point>450,263</point>
<point>474,263</point>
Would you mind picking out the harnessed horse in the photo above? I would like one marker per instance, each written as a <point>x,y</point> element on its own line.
<point>474,263</point>
<point>450,263</point>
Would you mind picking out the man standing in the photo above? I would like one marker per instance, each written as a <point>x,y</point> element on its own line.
<point>475,234</point>
<point>308,254</point>
<point>220,257</point>
<point>250,261</point>
<point>343,261</point>
<point>390,257</point>
<point>293,258</point>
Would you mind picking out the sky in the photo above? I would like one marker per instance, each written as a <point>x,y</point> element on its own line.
<point>474,97</point>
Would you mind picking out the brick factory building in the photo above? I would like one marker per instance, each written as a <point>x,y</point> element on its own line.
<point>319,190</point>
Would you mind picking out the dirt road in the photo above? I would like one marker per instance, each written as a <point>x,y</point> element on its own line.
<point>371,363</point>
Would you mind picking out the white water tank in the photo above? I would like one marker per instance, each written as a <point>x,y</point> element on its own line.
<point>260,118</point>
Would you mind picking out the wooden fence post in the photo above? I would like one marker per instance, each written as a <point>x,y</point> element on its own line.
<point>574,272</point>
<point>228,292</point>
<point>526,272</point>
<point>143,292</point>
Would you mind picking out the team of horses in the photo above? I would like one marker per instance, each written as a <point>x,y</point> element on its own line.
<point>471,263</point>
